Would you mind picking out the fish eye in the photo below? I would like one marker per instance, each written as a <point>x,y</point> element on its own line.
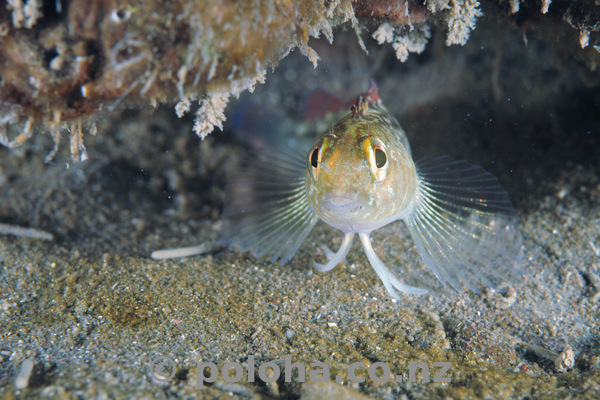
<point>314,157</point>
<point>376,155</point>
<point>380,158</point>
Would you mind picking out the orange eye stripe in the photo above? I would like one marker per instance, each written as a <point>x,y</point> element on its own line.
<point>366,147</point>
<point>324,148</point>
<point>371,147</point>
<point>333,157</point>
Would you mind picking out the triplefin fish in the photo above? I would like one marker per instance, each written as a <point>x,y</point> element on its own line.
<point>359,177</point>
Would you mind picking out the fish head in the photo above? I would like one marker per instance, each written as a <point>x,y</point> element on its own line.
<point>360,175</point>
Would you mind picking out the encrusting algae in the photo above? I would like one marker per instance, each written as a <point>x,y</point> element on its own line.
<point>359,177</point>
<point>67,63</point>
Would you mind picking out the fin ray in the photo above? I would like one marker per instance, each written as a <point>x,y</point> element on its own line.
<point>464,225</point>
<point>267,211</point>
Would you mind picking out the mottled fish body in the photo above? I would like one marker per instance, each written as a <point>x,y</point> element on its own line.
<point>360,176</point>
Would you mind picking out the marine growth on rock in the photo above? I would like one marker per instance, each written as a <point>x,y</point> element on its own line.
<point>65,63</point>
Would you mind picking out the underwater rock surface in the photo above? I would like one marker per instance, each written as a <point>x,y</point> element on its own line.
<point>67,64</point>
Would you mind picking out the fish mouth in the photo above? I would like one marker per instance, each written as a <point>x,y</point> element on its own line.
<point>341,202</point>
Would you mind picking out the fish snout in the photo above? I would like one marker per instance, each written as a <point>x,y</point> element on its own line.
<point>341,202</point>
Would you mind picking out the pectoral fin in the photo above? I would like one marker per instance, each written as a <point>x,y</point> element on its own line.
<point>464,226</point>
<point>267,211</point>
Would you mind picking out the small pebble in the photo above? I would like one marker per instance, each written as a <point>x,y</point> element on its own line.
<point>23,378</point>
